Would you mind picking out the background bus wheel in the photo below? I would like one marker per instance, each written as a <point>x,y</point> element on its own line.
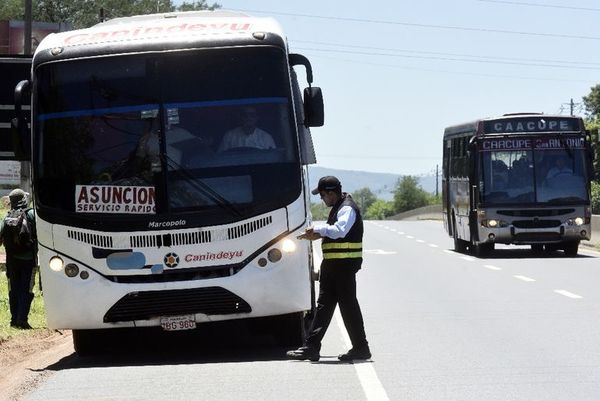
<point>483,250</point>
<point>537,248</point>
<point>571,248</point>
<point>459,244</point>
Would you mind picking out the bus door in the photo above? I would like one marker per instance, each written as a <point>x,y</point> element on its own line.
<point>474,163</point>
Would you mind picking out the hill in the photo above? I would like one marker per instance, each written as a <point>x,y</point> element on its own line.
<point>381,184</point>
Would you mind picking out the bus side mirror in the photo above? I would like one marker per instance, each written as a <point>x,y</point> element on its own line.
<point>314,114</point>
<point>21,134</point>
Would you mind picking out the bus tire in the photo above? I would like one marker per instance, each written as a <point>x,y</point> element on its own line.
<point>459,244</point>
<point>571,248</point>
<point>86,342</point>
<point>483,250</point>
<point>290,330</point>
<point>537,248</point>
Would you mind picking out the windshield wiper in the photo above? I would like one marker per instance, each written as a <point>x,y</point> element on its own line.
<point>204,188</point>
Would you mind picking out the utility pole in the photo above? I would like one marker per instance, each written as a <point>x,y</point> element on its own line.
<point>27,29</point>
<point>572,105</point>
<point>27,33</point>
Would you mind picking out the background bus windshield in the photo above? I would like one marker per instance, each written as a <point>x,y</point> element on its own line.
<point>208,130</point>
<point>533,170</point>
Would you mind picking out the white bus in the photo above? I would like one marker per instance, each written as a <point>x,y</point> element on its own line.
<point>517,179</point>
<point>146,214</point>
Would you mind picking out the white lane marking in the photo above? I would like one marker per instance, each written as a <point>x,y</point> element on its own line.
<point>401,232</point>
<point>433,245</point>
<point>365,371</point>
<point>410,236</point>
<point>524,278</point>
<point>468,258</point>
<point>568,294</point>
<point>379,252</point>
<point>420,241</point>
<point>492,267</point>
<point>448,251</point>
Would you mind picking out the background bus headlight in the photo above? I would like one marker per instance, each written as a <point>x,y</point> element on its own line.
<point>493,223</point>
<point>577,221</point>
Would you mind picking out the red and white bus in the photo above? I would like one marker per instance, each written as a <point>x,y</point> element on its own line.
<point>517,179</point>
<point>143,218</point>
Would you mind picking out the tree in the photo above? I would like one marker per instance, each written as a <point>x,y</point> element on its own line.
<point>379,210</point>
<point>592,104</point>
<point>409,195</point>
<point>319,211</point>
<point>363,198</point>
<point>85,13</point>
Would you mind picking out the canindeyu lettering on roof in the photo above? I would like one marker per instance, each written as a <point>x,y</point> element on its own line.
<point>138,32</point>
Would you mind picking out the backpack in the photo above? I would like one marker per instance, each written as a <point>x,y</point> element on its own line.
<point>17,234</point>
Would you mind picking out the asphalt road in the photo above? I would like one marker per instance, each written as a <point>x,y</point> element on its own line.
<point>442,326</point>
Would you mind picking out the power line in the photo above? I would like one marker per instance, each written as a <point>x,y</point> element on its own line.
<point>450,59</point>
<point>526,60</point>
<point>518,3</point>
<point>420,69</point>
<point>431,26</point>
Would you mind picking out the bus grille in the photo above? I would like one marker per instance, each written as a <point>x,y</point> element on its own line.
<point>150,240</point>
<point>145,305</point>
<point>537,237</point>
<point>536,223</point>
<point>536,212</point>
<point>102,241</point>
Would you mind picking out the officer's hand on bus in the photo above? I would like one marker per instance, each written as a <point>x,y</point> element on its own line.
<point>309,234</point>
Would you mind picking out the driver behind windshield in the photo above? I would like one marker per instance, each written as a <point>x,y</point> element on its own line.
<point>247,135</point>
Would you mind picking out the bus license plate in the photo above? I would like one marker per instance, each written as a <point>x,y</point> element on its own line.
<point>173,323</point>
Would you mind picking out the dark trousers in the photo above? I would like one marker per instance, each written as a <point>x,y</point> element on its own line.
<point>20,288</point>
<point>337,286</point>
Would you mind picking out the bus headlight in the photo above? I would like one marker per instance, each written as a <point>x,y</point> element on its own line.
<point>56,263</point>
<point>577,221</point>
<point>274,255</point>
<point>288,246</point>
<point>493,223</point>
<point>71,270</point>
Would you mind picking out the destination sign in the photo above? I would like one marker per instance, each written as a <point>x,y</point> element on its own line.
<point>509,144</point>
<point>531,124</point>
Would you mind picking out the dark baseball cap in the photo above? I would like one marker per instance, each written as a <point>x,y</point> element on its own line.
<point>327,183</point>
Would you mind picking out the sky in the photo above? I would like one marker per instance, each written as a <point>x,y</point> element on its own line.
<point>395,73</point>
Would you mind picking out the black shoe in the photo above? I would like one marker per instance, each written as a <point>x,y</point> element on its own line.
<point>24,325</point>
<point>356,354</point>
<point>304,353</point>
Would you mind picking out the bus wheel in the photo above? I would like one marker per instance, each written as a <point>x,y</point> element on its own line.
<point>483,250</point>
<point>459,244</point>
<point>86,342</point>
<point>571,248</point>
<point>537,248</point>
<point>290,330</point>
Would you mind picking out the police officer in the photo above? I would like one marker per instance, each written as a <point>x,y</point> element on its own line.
<point>342,258</point>
<point>20,258</point>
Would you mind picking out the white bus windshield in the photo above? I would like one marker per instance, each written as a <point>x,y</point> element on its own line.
<point>208,130</point>
<point>533,170</point>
